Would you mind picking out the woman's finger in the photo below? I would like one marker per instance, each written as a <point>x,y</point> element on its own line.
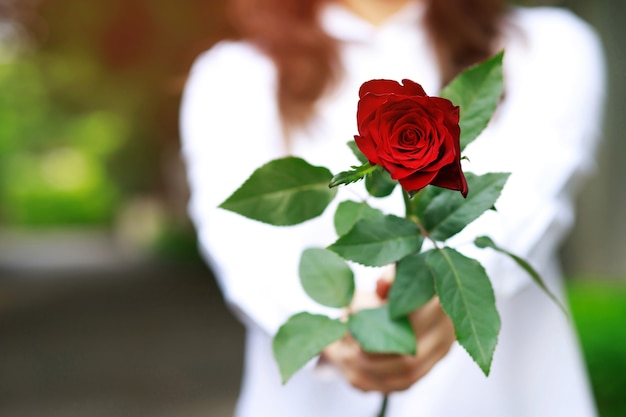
<point>427,317</point>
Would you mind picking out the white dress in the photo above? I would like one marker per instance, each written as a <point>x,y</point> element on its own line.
<point>545,134</point>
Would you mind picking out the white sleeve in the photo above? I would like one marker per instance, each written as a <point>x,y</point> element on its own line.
<point>546,134</point>
<point>229,127</point>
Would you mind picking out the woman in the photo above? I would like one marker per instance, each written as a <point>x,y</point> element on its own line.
<point>290,87</point>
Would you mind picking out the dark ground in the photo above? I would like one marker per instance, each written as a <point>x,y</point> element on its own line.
<point>155,340</point>
<point>147,340</point>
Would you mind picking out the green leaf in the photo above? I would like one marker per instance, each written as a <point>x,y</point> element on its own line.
<point>283,192</point>
<point>326,278</point>
<point>349,212</point>
<point>467,297</point>
<point>379,183</point>
<point>357,152</point>
<point>303,337</point>
<point>477,91</point>
<point>377,332</point>
<point>444,213</point>
<point>353,175</point>
<point>412,287</point>
<point>379,241</point>
<point>487,242</point>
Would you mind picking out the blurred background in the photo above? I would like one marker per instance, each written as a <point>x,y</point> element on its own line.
<point>105,306</point>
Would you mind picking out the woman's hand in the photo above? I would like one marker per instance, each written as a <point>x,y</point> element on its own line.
<point>392,372</point>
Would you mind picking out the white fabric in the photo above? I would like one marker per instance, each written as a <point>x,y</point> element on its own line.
<point>544,133</point>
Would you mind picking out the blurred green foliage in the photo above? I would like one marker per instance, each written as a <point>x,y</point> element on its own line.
<point>599,312</point>
<point>89,106</point>
<point>53,161</point>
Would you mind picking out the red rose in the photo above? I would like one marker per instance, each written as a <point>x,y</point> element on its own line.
<point>411,135</point>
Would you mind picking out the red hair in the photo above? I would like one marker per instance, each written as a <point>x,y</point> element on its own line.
<point>289,32</point>
<point>464,31</point>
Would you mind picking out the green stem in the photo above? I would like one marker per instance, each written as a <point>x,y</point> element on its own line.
<point>409,208</point>
<point>410,213</point>
<point>383,407</point>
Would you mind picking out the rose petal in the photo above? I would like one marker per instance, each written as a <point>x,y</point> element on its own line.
<point>413,136</point>
<point>367,108</point>
<point>397,171</point>
<point>413,88</point>
<point>417,180</point>
<point>383,87</point>
<point>452,178</point>
<point>366,146</point>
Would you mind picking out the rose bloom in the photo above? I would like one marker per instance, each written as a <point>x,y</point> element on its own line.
<point>416,138</point>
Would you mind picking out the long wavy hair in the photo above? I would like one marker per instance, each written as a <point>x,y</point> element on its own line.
<point>289,32</point>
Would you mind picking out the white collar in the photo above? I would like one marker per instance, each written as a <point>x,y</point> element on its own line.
<point>341,23</point>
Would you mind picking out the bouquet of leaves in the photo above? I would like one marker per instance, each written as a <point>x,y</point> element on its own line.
<point>413,140</point>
